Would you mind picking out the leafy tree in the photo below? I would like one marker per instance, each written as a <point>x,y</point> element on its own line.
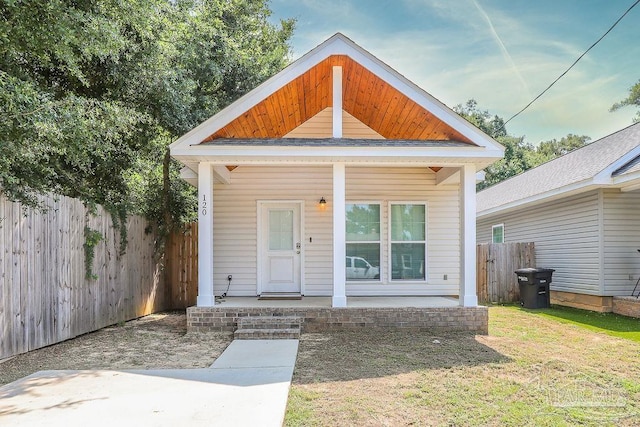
<point>549,150</point>
<point>632,99</point>
<point>492,126</point>
<point>517,159</point>
<point>93,91</point>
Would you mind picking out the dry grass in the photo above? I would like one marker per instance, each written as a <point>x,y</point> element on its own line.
<point>529,370</point>
<point>155,341</point>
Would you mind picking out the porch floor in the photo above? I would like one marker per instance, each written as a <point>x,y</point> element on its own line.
<point>352,302</point>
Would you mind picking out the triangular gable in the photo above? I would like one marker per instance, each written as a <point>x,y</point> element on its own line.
<point>373,93</point>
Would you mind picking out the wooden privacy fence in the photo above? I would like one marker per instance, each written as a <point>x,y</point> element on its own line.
<point>496,263</point>
<point>45,297</point>
<point>182,266</point>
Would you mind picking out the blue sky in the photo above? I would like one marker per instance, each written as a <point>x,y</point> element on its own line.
<point>500,53</point>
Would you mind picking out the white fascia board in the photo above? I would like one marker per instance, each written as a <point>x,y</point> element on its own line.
<point>222,154</point>
<point>557,193</point>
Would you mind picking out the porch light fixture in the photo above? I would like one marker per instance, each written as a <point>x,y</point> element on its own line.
<point>322,202</point>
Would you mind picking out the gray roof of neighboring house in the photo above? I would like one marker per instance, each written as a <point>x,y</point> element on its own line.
<point>336,142</point>
<point>572,168</point>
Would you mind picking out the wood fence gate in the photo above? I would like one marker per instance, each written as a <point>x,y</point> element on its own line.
<point>182,266</point>
<point>496,264</point>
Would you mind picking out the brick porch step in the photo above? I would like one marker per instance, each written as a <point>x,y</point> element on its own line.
<point>268,327</point>
<point>267,334</point>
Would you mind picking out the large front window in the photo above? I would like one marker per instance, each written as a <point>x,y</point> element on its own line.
<point>408,241</point>
<point>363,241</point>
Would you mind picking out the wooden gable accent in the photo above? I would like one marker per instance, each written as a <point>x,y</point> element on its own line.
<point>365,96</point>
<point>321,126</point>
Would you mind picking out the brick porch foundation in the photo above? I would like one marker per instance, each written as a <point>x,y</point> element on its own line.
<point>440,319</point>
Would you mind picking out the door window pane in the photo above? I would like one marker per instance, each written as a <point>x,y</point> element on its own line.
<point>280,230</point>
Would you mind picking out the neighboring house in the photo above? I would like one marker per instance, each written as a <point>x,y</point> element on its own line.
<point>582,210</point>
<point>336,159</point>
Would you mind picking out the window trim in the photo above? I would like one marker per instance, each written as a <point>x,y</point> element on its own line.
<point>493,227</point>
<point>380,203</point>
<point>391,280</point>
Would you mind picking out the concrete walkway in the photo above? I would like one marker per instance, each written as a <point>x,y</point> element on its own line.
<point>247,385</point>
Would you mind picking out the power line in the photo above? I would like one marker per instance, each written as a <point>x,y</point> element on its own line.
<point>572,65</point>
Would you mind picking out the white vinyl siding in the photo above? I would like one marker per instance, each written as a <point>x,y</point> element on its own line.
<point>621,241</point>
<point>321,126</point>
<point>235,225</point>
<point>566,237</point>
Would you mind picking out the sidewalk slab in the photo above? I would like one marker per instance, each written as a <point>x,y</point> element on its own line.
<point>258,354</point>
<point>246,393</point>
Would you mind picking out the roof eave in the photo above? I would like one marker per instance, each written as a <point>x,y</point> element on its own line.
<point>547,196</point>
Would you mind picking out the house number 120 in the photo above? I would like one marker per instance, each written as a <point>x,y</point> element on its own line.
<point>204,205</point>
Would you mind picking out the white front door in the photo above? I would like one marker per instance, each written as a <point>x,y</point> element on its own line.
<point>280,252</point>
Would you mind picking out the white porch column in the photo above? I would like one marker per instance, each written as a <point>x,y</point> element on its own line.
<point>339,236</point>
<point>205,235</point>
<point>468,295</point>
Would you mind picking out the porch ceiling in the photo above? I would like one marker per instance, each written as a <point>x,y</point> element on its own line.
<point>365,96</point>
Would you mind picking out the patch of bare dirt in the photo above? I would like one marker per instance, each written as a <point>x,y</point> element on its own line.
<point>157,341</point>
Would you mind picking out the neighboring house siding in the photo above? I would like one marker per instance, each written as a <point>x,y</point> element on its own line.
<point>621,241</point>
<point>566,236</point>
<point>235,225</point>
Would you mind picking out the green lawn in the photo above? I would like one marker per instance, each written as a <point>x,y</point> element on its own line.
<point>609,323</point>
<point>555,367</point>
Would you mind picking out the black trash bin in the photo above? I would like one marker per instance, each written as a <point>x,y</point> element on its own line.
<point>534,287</point>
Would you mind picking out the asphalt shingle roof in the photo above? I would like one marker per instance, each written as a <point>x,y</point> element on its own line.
<point>574,167</point>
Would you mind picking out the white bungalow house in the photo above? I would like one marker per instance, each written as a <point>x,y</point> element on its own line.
<point>337,177</point>
<point>582,210</point>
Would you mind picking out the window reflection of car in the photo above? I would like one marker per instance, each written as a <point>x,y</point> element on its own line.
<point>359,268</point>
